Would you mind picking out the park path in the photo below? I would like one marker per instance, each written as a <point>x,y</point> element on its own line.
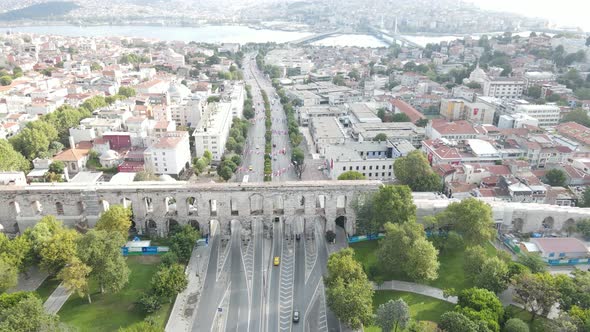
<point>411,287</point>
<point>56,300</point>
<point>30,281</point>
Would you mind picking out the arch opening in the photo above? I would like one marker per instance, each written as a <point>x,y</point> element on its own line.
<point>341,204</point>
<point>170,204</point>
<point>213,208</point>
<point>320,204</point>
<point>517,225</point>
<point>256,205</point>
<point>149,206</point>
<point>233,206</point>
<point>278,205</point>
<point>59,208</point>
<point>191,203</point>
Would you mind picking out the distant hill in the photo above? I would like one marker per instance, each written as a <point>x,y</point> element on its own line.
<point>38,11</point>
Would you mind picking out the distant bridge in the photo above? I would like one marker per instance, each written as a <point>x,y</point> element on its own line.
<point>387,37</point>
<point>392,37</point>
<point>316,37</point>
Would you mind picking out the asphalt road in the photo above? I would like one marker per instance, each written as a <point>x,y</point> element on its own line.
<point>253,154</point>
<point>257,313</point>
<point>213,289</point>
<point>239,308</point>
<point>272,310</point>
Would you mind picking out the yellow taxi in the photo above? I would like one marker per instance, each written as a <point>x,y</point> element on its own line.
<point>276,261</point>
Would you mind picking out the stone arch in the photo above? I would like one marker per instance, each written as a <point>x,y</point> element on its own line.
<point>172,225</point>
<point>37,207</point>
<point>278,205</point>
<point>59,208</point>
<point>569,227</point>
<point>191,203</point>
<point>548,223</point>
<point>233,207</point>
<point>126,202</point>
<point>14,208</point>
<point>151,227</point>
<point>213,208</point>
<point>149,204</point>
<point>81,206</point>
<point>341,201</point>
<point>170,204</point>
<point>320,204</point>
<point>133,227</point>
<point>195,224</point>
<point>341,221</point>
<point>517,225</point>
<point>103,205</point>
<point>256,204</point>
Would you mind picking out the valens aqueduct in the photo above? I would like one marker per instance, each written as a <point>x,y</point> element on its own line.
<point>158,205</point>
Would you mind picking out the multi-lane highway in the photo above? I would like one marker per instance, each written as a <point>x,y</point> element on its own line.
<point>243,289</point>
<point>253,154</point>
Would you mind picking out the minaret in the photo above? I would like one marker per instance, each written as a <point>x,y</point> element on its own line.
<point>395,26</point>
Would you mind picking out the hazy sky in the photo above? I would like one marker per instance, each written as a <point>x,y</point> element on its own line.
<point>563,12</point>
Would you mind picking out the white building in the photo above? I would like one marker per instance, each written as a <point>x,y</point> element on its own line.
<point>213,129</point>
<point>170,154</point>
<point>237,96</point>
<point>533,78</point>
<point>503,87</point>
<point>517,120</point>
<point>372,159</point>
<point>548,115</point>
<point>325,132</point>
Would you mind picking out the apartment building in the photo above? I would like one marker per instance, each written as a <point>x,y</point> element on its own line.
<point>213,129</point>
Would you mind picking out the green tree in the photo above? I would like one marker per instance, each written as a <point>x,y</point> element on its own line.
<point>400,117</point>
<point>515,325</point>
<point>145,176</point>
<point>534,92</point>
<point>208,155</point>
<point>101,251</point>
<point>585,198</point>
<point>338,80</point>
<point>452,321</point>
<point>149,303</point>
<point>471,218</point>
<point>421,123</point>
<point>583,226</point>
<point>183,241</point>
<point>475,256</point>
<point>575,290</point>
<point>95,66</point>
<point>8,275</point>
<point>481,305</point>
<point>414,170</point>
<point>12,160</point>
<point>393,314</point>
<point>579,116</point>
<point>556,177</point>
<point>58,250</point>
<point>5,80</point>
<point>116,219</point>
<point>42,232</point>
<point>225,173</point>
<point>493,275</point>
<point>17,72</point>
<point>200,165</point>
<point>298,157</point>
<point>394,204</point>
<point>349,293</point>
<point>351,175</point>
<point>27,315</point>
<point>169,281</point>
<point>533,262</point>
<point>536,292</point>
<point>127,91</point>
<point>57,167</point>
<point>381,137</point>
<point>405,249</point>
<point>75,278</point>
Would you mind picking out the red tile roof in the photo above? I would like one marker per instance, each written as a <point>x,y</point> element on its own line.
<point>408,110</point>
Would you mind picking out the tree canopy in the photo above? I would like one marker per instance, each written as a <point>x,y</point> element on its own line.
<point>390,204</point>
<point>405,249</point>
<point>351,175</point>
<point>556,177</point>
<point>471,218</point>
<point>393,314</point>
<point>349,293</point>
<point>12,160</point>
<point>415,171</point>
<point>116,219</point>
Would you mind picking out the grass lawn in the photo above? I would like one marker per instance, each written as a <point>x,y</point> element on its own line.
<point>108,312</point>
<point>422,308</point>
<point>540,324</point>
<point>450,273</point>
<point>47,287</point>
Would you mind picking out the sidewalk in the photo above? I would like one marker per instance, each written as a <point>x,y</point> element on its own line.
<point>29,282</point>
<point>411,287</point>
<point>186,302</point>
<point>56,300</point>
